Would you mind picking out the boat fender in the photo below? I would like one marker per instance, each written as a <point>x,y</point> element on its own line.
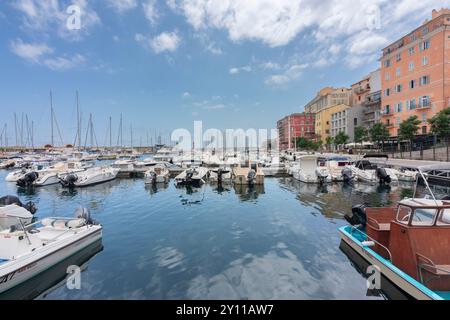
<point>357,216</point>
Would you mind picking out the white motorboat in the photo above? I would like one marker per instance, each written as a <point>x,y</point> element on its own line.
<point>312,170</point>
<point>157,174</point>
<point>339,169</point>
<point>164,154</point>
<point>7,164</point>
<point>372,173</point>
<point>89,177</point>
<point>192,176</point>
<point>221,175</point>
<point>274,168</point>
<point>406,175</point>
<point>27,251</point>
<point>53,173</point>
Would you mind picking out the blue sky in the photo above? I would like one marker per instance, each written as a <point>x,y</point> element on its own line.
<point>164,64</point>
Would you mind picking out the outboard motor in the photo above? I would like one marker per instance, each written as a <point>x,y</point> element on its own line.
<point>8,200</point>
<point>189,174</point>
<point>83,213</point>
<point>321,176</point>
<point>358,216</point>
<point>219,175</point>
<point>347,175</point>
<point>153,177</point>
<point>69,180</point>
<point>251,176</point>
<point>28,179</point>
<point>383,176</point>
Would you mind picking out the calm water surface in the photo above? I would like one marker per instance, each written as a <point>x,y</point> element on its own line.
<point>276,242</point>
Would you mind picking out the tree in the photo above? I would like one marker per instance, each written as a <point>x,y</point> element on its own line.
<point>329,142</point>
<point>379,133</point>
<point>408,129</point>
<point>341,138</point>
<point>306,144</point>
<point>361,134</point>
<point>440,126</point>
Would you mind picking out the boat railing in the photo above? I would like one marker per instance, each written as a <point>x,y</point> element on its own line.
<point>354,228</point>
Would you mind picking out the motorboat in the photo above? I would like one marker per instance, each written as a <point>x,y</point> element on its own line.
<point>369,172</point>
<point>192,177</point>
<point>312,169</point>
<point>405,175</point>
<point>408,243</point>
<point>53,173</point>
<point>28,250</point>
<point>164,154</point>
<point>339,170</point>
<point>221,175</point>
<point>14,215</point>
<point>274,168</point>
<point>157,174</point>
<point>250,174</point>
<point>89,177</point>
<point>7,164</point>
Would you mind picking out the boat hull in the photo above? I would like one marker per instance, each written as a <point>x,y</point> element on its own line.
<point>20,270</point>
<point>393,274</point>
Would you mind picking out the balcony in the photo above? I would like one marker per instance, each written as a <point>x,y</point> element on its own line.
<point>361,90</point>
<point>386,113</point>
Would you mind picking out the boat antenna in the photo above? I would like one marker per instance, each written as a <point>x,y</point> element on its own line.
<point>426,184</point>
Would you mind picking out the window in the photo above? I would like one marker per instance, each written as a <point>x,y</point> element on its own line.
<point>443,218</point>
<point>424,45</point>
<point>387,76</point>
<point>398,121</point>
<point>355,121</point>
<point>398,107</point>
<point>412,104</point>
<point>387,109</point>
<point>411,50</point>
<point>425,101</point>
<point>387,92</point>
<point>413,37</point>
<point>424,80</point>
<point>398,57</point>
<point>398,88</point>
<point>411,66</point>
<point>387,63</point>
<point>423,217</point>
<point>412,84</point>
<point>403,214</point>
<point>425,31</point>
<point>398,72</point>
<point>425,61</point>
<point>424,129</point>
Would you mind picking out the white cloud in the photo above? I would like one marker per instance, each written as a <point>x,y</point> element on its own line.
<point>269,65</point>
<point>290,73</point>
<point>65,63</point>
<point>122,6</point>
<point>236,70</point>
<point>44,17</point>
<point>214,107</point>
<point>164,42</point>
<point>32,52</point>
<point>333,25</point>
<point>186,95</point>
<point>41,54</point>
<point>150,11</point>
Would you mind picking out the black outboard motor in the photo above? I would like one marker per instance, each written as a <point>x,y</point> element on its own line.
<point>189,174</point>
<point>219,175</point>
<point>69,180</point>
<point>347,175</point>
<point>383,176</point>
<point>83,213</point>
<point>28,179</point>
<point>8,200</point>
<point>251,177</point>
<point>153,177</point>
<point>358,216</point>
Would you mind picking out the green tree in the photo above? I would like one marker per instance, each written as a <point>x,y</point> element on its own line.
<point>379,133</point>
<point>329,142</point>
<point>440,126</point>
<point>306,144</point>
<point>361,134</point>
<point>341,138</point>
<point>408,129</point>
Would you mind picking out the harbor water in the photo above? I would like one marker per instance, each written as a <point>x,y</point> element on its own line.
<point>279,241</point>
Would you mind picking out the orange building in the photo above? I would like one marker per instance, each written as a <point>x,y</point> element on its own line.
<point>415,73</point>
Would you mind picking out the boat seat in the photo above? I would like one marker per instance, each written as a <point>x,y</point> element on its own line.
<point>427,264</point>
<point>378,226</point>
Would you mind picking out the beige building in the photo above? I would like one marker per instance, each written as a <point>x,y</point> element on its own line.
<point>329,97</point>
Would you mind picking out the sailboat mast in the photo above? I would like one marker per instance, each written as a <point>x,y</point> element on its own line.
<point>110,132</point>
<point>51,117</point>
<point>78,122</point>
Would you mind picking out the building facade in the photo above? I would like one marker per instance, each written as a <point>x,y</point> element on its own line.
<point>367,97</point>
<point>415,74</point>
<point>294,126</point>
<point>346,121</point>
<point>323,123</point>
